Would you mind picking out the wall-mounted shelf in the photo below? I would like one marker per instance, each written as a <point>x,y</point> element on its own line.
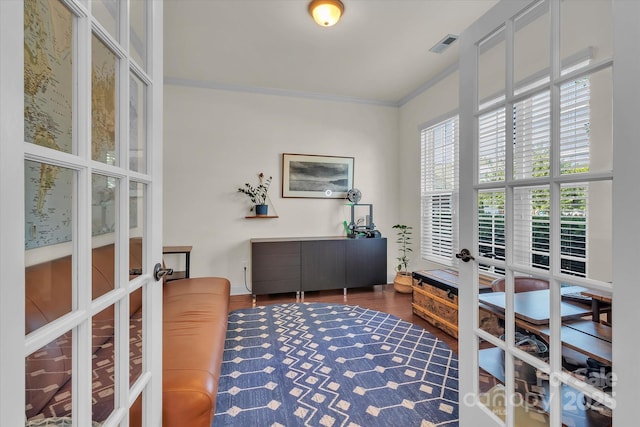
<point>262,216</point>
<point>180,250</point>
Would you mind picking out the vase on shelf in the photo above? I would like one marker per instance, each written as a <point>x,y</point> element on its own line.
<point>262,210</point>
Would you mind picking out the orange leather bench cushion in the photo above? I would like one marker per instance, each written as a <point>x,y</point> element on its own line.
<point>194,332</point>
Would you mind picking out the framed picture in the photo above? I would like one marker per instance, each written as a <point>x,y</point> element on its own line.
<point>312,176</point>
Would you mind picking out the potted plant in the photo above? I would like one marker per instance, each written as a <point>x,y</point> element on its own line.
<point>403,279</point>
<point>258,194</point>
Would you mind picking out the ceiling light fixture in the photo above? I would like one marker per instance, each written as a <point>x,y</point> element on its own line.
<point>326,12</point>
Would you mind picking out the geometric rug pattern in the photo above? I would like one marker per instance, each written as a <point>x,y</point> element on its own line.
<point>313,364</point>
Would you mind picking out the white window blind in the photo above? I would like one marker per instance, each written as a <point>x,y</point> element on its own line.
<point>491,152</point>
<point>574,228</point>
<point>574,126</point>
<point>531,131</point>
<point>439,173</point>
<point>491,237</point>
<point>531,226</point>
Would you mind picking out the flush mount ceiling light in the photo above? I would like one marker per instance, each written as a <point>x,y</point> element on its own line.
<point>326,12</point>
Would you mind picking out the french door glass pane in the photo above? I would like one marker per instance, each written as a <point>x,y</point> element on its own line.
<point>48,378</point>
<point>491,69</point>
<point>491,146</point>
<point>586,23</point>
<point>531,47</point>
<point>104,84</point>
<point>577,407</point>
<point>490,319</point>
<point>575,228</point>
<point>586,130</point>
<point>531,226</point>
<point>587,343</point>
<point>491,389</point>
<point>135,336</point>
<point>48,74</point>
<point>491,231</point>
<point>137,205</point>
<point>103,364</point>
<point>587,227</point>
<point>531,398</point>
<point>104,190</point>
<point>138,32</point>
<point>532,132</point>
<point>137,124</point>
<point>575,125</point>
<point>107,14</point>
<point>49,207</point>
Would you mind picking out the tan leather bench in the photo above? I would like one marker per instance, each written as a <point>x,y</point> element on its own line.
<point>194,330</point>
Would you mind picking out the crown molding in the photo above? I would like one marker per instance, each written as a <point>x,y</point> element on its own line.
<point>201,84</point>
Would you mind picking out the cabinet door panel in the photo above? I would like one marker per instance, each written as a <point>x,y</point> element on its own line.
<point>275,267</point>
<point>366,262</point>
<point>323,265</point>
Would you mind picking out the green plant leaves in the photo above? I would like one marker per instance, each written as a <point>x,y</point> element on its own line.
<point>258,194</point>
<point>404,242</point>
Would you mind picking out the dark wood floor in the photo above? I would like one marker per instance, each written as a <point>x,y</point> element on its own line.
<point>382,298</point>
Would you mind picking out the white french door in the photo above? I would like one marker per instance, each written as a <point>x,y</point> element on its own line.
<point>544,117</point>
<point>81,223</point>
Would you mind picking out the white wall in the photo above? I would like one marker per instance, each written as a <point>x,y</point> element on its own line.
<point>216,140</point>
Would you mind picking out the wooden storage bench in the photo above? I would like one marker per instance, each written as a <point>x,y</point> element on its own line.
<point>435,297</point>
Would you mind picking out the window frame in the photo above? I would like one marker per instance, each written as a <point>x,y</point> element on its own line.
<point>430,196</point>
<point>439,200</point>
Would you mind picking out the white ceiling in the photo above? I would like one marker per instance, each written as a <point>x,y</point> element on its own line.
<point>378,52</point>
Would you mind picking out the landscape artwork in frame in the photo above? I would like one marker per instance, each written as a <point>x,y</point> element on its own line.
<point>325,177</point>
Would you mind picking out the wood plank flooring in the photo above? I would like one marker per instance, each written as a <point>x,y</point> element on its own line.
<point>381,297</point>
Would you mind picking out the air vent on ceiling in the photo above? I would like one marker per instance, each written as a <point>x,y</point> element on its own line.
<point>444,43</point>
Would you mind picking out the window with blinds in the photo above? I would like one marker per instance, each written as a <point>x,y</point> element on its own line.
<point>532,159</point>
<point>439,176</point>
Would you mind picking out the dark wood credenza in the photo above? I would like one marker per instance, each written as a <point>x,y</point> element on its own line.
<point>302,264</point>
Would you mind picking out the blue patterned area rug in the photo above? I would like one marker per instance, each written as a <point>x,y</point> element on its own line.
<point>313,364</point>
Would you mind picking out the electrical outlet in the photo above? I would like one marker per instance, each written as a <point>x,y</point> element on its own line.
<point>245,264</point>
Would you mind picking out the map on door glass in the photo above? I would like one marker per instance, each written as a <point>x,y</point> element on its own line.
<point>103,103</point>
<point>48,121</point>
<point>48,204</point>
<point>48,74</point>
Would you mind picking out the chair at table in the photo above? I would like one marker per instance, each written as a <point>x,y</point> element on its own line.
<point>521,284</point>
